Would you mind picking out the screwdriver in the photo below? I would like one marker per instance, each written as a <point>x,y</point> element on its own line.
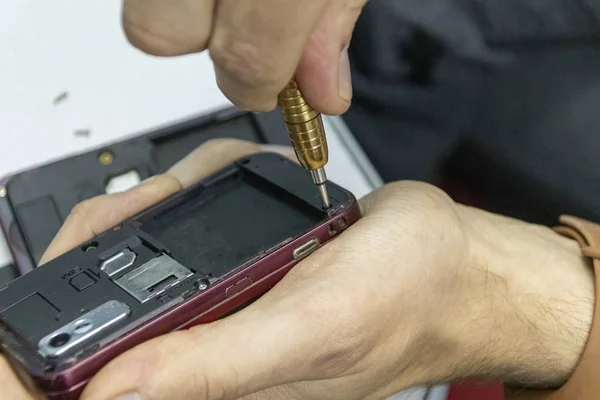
<point>307,134</point>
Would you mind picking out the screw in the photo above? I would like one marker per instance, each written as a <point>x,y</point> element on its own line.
<point>202,285</point>
<point>2,191</point>
<point>106,158</point>
<point>61,97</point>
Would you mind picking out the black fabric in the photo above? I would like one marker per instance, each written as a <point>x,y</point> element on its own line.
<point>500,89</point>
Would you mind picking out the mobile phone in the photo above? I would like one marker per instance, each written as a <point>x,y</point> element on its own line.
<point>35,203</point>
<point>192,259</point>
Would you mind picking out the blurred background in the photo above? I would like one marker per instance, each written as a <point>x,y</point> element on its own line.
<point>495,101</point>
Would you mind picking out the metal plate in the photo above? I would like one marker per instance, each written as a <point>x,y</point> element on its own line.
<point>82,329</point>
<point>153,278</point>
<point>118,262</point>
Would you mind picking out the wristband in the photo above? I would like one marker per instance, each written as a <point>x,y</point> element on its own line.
<point>584,383</point>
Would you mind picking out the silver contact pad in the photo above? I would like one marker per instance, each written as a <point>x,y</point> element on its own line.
<point>118,262</point>
<point>83,329</point>
<point>153,278</point>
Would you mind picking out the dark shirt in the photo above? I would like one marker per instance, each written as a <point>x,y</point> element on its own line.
<point>493,90</point>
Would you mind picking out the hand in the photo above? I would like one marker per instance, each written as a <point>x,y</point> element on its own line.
<point>420,290</point>
<point>12,386</point>
<point>256,45</point>
<point>101,213</point>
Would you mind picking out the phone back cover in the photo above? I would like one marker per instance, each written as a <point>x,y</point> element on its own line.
<point>39,200</point>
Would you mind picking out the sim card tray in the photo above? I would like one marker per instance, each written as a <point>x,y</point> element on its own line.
<point>153,278</point>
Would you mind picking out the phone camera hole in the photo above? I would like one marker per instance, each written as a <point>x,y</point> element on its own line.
<point>82,326</point>
<point>90,246</point>
<point>60,340</point>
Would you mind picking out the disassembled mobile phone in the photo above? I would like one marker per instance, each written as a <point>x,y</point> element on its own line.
<point>35,203</point>
<point>192,259</point>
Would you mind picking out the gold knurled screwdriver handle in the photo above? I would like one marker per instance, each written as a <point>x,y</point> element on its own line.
<point>305,127</point>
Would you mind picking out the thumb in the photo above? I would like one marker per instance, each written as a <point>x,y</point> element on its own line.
<point>324,69</point>
<point>262,346</point>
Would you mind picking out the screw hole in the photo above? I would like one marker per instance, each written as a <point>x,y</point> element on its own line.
<point>202,284</point>
<point>342,223</point>
<point>246,161</point>
<point>90,246</point>
<point>106,158</point>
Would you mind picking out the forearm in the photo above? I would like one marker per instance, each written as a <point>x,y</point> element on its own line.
<point>533,303</point>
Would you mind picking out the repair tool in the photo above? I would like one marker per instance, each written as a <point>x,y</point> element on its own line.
<point>307,134</point>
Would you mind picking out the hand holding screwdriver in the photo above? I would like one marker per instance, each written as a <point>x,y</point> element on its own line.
<point>256,45</point>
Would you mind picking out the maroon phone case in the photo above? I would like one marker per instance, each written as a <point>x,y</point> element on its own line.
<point>226,296</point>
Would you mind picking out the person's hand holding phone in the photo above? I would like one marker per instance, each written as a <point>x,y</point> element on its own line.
<point>420,290</point>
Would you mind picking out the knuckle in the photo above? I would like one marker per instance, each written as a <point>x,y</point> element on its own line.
<point>422,200</point>
<point>424,192</point>
<point>247,66</point>
<point>81,210</point>
<point>417,211</point>
<point>156,41</point>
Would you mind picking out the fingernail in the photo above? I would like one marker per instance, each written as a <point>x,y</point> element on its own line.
<point>345,76</point>
<point>130,396</point>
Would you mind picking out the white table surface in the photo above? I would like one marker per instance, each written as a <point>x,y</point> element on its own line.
<point>114,91</point>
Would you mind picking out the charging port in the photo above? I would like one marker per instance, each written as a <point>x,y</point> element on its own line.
<point>306,249</point>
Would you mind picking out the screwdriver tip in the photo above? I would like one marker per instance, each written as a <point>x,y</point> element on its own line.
<point>324,196</point>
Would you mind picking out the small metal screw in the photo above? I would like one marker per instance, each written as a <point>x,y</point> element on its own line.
<point>2,191</point>
<point>82,133</point>
<point>61,97</point>
<point>202,286</point>
<point>106,158</point>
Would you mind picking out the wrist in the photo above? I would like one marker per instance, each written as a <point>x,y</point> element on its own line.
<point>530,305</point>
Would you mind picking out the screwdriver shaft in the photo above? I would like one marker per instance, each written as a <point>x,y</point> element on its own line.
<point>307,134</point>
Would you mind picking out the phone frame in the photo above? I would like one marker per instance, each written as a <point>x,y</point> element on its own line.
<point>220,299</point>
